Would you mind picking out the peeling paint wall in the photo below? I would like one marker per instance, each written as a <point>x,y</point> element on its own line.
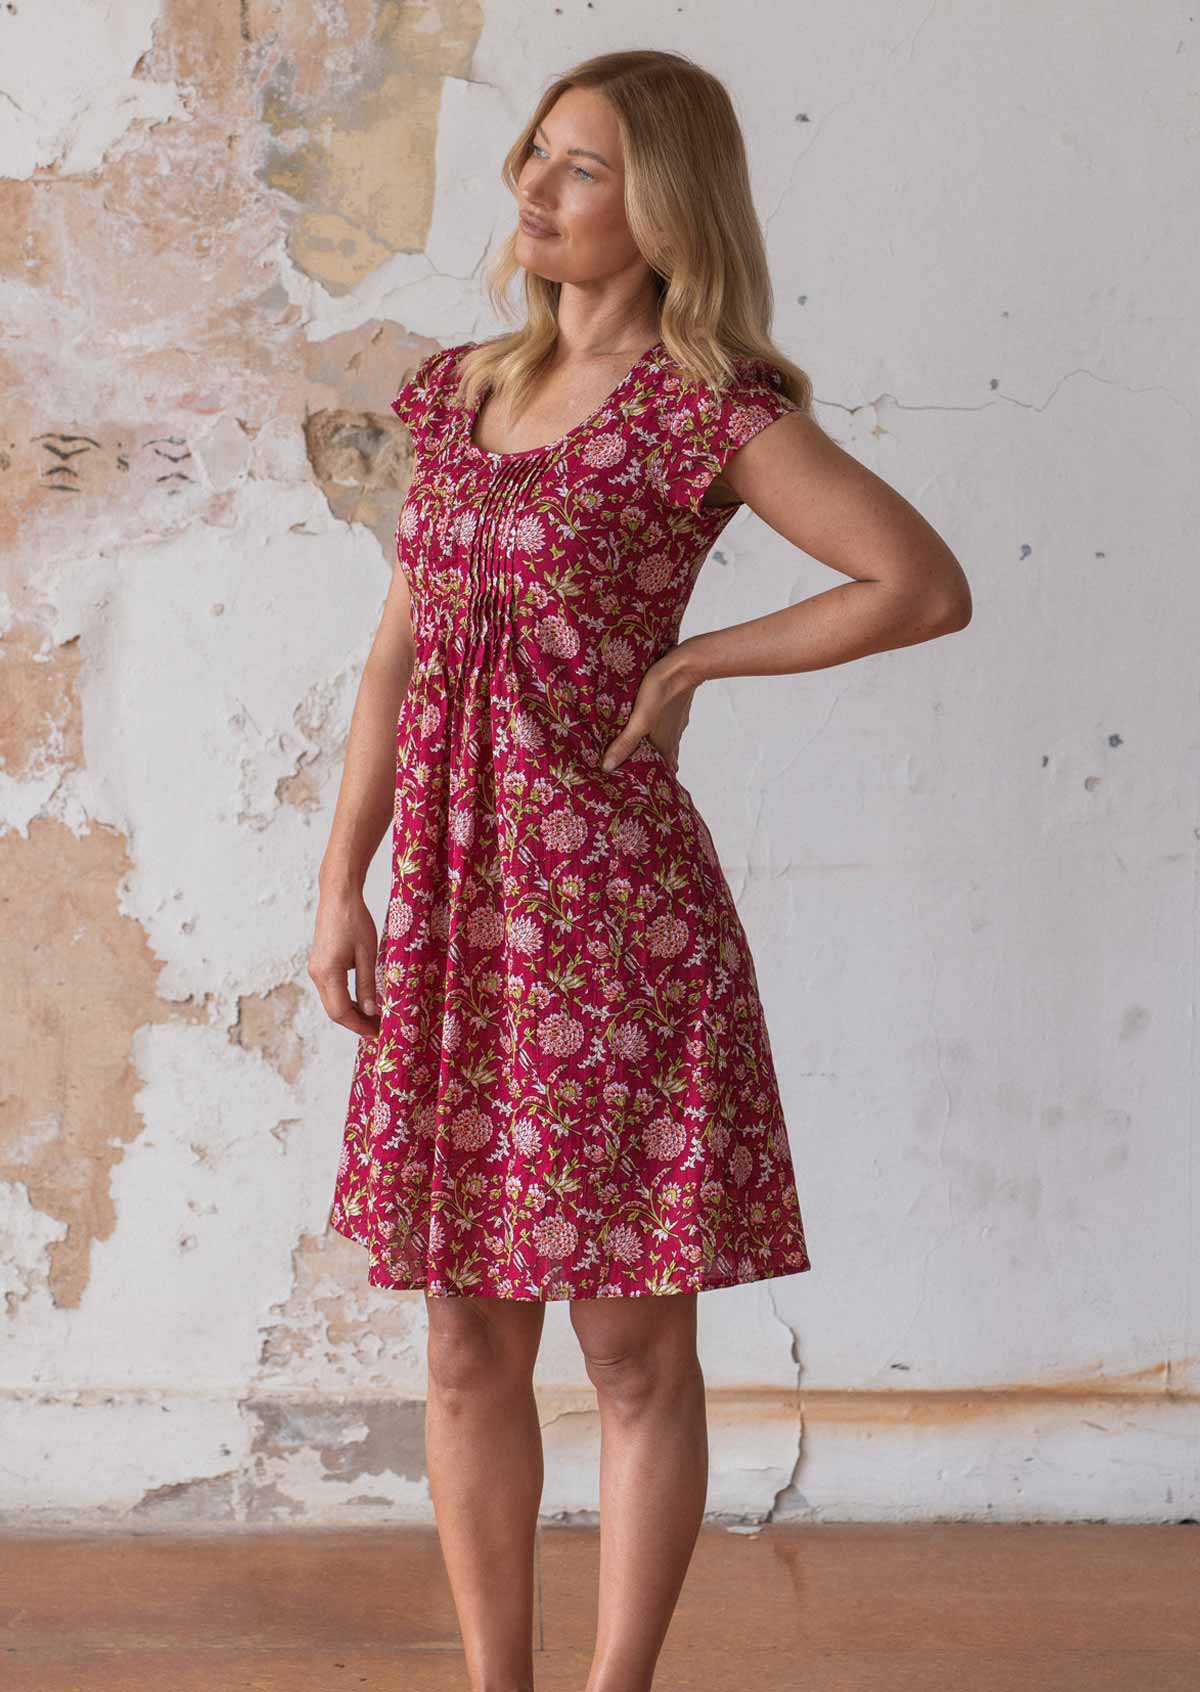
<point>968,869</point>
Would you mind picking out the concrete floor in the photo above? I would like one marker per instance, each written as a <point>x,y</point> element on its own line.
<point>831,1609</point>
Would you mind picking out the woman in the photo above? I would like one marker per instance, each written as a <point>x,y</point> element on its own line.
<point>563,1085</point>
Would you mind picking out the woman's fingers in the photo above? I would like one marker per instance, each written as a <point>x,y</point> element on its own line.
<point>364,976</point>
<point>346,940</point>
<point>622,746</point>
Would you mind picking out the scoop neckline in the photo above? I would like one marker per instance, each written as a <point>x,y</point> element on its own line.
<point>471,414</point>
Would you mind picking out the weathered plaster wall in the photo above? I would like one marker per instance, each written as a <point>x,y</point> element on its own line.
<point>968,869</point>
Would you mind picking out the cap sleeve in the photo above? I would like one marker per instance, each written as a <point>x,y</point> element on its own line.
<point>418,403</point>
<point>704,429</point>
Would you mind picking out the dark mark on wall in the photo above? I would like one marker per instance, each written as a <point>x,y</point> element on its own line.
<point>63,476</point>
<point>72,446</point>
<point>172,458</point>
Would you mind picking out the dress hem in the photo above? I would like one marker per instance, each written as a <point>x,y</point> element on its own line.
<point>763,1272</point>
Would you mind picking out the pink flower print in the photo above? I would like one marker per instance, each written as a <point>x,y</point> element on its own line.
<point>690,1253</point>
<point>719,1137</point>
<point>535,1198</point>
<point>529,536</point>
<point>707,845</point>
<point>380,977</point>
<point>563,831</point>
<point>629,836</point>
<point>425,1121</point>
<point>654,572</point>
<point>471,1129</point>
<point>465,523</point>
<point>667,936</point>
<point>451,1031</point>
<point>381,1116</point>
<point>555,1237</point>
<point>628,1041</point>
<point>664,1138</point>
<point>619,655</point>
<point>526,732</point>
<point>399,918</point>
<point>461,826</point>
<point>525,936</point>
<point>431,719</point>
<point>560,1034</point>
<point>624,1243</point>
<point>604,452</point>
<point>745,419</point>
<point>437,1232</point>
<point>439,920</point>
<point>556,636</point>
<point>618,887</point>
<point>485,926</point>
<point>741,1163</point>
<point>526,1138</point>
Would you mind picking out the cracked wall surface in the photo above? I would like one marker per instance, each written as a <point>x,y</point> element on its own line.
<point>967,869</point>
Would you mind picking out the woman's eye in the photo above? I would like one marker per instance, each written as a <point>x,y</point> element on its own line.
<point>534,148</point>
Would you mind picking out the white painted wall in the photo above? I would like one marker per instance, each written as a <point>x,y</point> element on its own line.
<point>968,870</point>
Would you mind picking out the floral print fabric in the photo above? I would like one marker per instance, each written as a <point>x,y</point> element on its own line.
<point>571,1094</point>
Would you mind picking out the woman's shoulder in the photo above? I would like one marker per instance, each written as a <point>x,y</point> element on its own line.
<point>429,384</point>
<point>441,366</point>
<point>747,372</point>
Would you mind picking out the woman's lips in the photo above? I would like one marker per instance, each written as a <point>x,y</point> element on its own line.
<point>532,227</point>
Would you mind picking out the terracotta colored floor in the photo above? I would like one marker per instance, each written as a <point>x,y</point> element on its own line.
<point>831,1609</point>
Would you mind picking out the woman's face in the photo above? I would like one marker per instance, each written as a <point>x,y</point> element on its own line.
<point>571,194</point>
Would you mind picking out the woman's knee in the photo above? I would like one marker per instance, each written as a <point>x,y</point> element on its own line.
<point>631,1354</point>
<point>472,1348</point>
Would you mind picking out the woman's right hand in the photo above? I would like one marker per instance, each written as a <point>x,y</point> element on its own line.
<point>345,939</point>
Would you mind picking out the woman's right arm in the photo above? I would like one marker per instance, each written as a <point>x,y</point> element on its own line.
<point>345,937</point>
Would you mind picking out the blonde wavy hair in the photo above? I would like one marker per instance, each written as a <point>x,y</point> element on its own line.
<point>691,215</point>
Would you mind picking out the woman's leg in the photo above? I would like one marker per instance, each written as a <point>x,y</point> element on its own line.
<point>483,1449</point>
<point>641,1357</point>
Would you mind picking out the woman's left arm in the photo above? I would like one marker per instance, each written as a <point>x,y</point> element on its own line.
<point>907,586</point>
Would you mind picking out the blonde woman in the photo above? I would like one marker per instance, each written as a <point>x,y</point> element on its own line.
<point>563,1086</point>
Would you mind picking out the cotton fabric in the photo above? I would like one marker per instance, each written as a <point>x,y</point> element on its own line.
<point>572,1093</point>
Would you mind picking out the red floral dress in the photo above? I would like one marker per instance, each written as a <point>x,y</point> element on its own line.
<point>572,1092</point>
